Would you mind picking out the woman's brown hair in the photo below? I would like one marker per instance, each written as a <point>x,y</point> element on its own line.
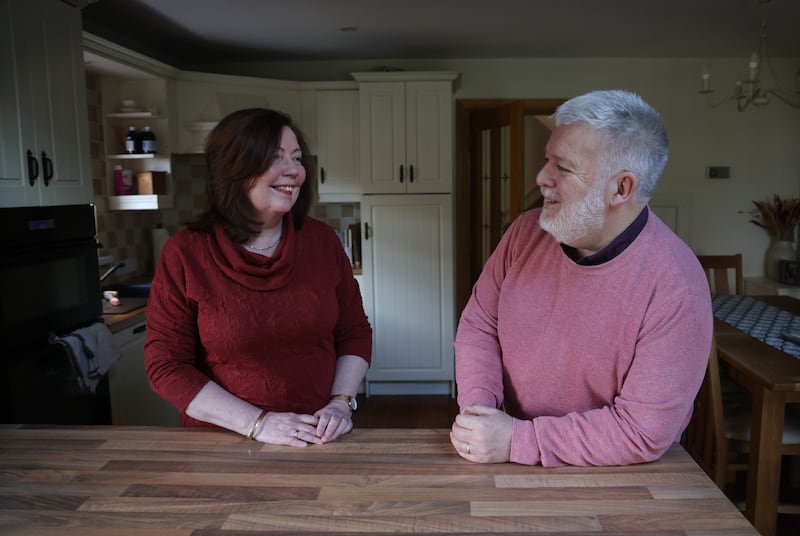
<point>238,150</point>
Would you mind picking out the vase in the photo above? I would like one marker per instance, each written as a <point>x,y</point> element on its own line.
<point>778,250</point>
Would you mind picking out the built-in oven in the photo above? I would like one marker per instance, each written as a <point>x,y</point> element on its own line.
<point>49,284</point>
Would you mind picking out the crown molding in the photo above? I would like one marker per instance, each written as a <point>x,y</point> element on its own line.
<point>129,58</point>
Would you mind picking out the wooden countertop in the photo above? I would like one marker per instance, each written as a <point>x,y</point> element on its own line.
<point>119,322</point>
<point>79,480</point>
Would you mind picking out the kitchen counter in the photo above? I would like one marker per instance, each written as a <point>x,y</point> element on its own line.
<point>77,480</point>
<point>118,322</point>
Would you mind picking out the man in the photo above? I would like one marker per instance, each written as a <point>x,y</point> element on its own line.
<point>587,334</point>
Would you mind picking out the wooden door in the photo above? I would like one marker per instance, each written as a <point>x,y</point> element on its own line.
<point>497,138</point>
<point>522,150</point>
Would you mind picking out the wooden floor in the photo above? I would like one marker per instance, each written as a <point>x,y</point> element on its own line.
<point>439,412</point>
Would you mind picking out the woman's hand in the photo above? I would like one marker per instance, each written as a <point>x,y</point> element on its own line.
<point>334,419</point>
<point>293,429</point>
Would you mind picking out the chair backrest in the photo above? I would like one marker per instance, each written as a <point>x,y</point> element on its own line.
<point>717,268</point>
<point>708,444</point>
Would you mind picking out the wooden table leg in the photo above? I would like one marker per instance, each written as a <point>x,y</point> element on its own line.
<point>764,472</point>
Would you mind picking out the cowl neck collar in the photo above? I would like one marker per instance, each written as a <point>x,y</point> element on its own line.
<point>252,270</point>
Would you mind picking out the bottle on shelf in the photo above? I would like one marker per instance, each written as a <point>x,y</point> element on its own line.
<point>123,181</point>
<point>148,141</point>
<point>132,141</point>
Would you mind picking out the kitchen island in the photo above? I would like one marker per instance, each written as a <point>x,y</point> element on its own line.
<point>174,481</point>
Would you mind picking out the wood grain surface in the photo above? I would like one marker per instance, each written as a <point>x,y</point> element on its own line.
<point>110,481</point>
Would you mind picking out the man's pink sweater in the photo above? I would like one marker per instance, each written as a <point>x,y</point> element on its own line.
<point>598,365</point>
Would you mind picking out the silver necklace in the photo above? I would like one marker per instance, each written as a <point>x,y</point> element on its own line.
<point>256,248</point>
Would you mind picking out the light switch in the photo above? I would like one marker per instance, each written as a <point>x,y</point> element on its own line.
<point>718,172</point>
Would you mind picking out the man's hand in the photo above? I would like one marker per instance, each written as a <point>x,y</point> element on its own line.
<point>482,434</point>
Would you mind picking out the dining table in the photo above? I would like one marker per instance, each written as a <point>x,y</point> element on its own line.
<point>772,375</point>
<point>165,481</point>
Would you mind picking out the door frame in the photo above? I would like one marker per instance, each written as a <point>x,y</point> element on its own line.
<point>463,183</point>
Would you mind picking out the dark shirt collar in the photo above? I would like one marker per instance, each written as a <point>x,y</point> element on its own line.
<point>614,248</point>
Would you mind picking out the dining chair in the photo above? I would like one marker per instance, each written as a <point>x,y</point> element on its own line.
<point>720,437</point>
<point>718,267</point>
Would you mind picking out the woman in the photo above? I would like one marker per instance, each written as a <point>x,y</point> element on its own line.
<point>254,321</point>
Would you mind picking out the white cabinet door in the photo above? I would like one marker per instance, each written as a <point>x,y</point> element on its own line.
<point>429,137</point>
<point>337,145</point>
<point>406,136</point>
<point>133,403</point>
<point>383,138</point>
<point>44,132</point>
<point>407,247</point>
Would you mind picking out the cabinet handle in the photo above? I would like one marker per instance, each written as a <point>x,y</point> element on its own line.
<point>322,175</point>
<point>411,173</point>
<point>33,168</point>
<point>401,173</point>
<point>47,169</point>
<point>366,231</point>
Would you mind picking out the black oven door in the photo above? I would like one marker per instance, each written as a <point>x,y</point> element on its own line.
<point>48,290</point>
<point>49,283</point>
<point>49,278</point>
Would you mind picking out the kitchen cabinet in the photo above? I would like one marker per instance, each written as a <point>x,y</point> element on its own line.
<point>406,129</point>
<point>337,145</point>
<point>44,129</point>
<point>203,99</point>
<point>152,98</point>
<point>133,403</point>
<point>407,246</point>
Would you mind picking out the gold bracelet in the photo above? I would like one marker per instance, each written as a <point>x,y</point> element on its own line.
<point>251,434</point>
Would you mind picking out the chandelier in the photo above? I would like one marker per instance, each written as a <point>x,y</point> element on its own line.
<point>750,90</point>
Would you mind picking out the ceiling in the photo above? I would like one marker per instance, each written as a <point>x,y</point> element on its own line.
<point>189,34</point>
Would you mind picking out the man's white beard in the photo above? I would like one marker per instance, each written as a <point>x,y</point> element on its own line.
<point>576,220</point>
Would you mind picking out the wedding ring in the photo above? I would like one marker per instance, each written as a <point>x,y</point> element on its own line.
<point>296,433</point>
<point>469,448</point>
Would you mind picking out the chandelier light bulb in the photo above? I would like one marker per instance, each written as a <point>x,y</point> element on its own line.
<point>753,68</point>
<point>753,90</point>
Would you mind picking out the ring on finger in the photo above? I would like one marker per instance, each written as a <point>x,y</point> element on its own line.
<point>469,448</point>
<point>296,433</point>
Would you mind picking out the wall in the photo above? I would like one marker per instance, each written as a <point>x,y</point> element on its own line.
<point>761,146</point>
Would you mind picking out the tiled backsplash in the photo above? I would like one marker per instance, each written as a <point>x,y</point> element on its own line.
<point>127,235</point>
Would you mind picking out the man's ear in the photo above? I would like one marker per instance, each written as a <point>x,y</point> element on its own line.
<point>624,186</point>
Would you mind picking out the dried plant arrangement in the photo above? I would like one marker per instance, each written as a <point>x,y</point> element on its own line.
<point>778,217</point>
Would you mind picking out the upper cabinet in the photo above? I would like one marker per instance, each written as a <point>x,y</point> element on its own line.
<point>203,99</point>
<point>337,145</point>
<point>406,130</point>
<point>44,129</point>
<point>139,92</point>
